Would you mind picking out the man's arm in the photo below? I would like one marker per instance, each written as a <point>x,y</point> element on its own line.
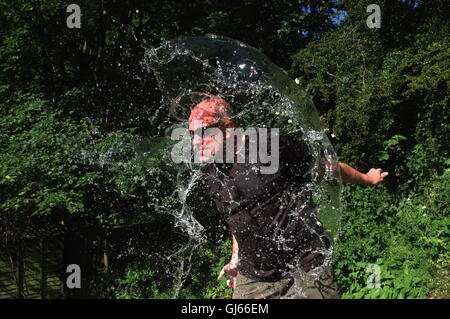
<point>351,175</point>
<point>231,269</point>
<point>235,249</point>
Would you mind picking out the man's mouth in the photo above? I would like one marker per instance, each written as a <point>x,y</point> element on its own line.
<point>202,153</point>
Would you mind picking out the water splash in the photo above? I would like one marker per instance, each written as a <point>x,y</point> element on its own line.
<point>261,95</point>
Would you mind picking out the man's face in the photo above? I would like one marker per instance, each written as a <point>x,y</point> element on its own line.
<point>205,145</point>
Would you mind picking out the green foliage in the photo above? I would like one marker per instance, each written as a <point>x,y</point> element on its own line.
<point>137,282</point>
<point>54,167</point>
<point>383,98</point>
<point>37,179</point>
<point>391,146</point>
<point>407,237</point>
<point>203,283</point>
<point>141,280</point>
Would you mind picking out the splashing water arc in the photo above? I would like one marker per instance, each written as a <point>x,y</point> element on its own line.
<point>262,95</point>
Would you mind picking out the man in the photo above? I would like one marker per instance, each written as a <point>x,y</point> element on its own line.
<point>278,242</point>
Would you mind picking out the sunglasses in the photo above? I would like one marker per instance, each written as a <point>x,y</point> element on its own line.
<point>202,131</point>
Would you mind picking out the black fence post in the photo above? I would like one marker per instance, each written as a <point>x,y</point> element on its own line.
<point>43,275</point>
<point>20,272</point>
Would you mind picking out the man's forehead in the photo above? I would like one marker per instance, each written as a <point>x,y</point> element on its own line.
<point>203,115</point>
<point>200,112</point>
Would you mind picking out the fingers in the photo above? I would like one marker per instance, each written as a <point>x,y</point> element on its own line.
<point>231,271</point>
<point>231,276</point>
<point>381,175</point>
<point>376,176</point>
<point>222,272</point>
<point>231,282</point>
<point>379,171</point>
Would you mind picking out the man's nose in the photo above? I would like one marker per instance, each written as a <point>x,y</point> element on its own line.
<point>197,140</point>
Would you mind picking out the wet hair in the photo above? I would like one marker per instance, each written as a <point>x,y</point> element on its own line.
<point>224,112</point>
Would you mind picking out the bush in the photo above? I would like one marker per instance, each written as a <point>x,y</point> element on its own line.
<point>406,237</point>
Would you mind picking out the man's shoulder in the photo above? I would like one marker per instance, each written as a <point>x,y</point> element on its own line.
<point>292,149</point>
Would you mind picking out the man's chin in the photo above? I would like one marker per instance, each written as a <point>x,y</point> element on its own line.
<point>204,158</point>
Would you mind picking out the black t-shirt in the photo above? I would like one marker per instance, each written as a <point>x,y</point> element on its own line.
<point>271,215</point>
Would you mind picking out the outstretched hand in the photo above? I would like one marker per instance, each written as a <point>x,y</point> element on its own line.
<point>376,176</point>
<point>351,175</point>
<point>231,269</point>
